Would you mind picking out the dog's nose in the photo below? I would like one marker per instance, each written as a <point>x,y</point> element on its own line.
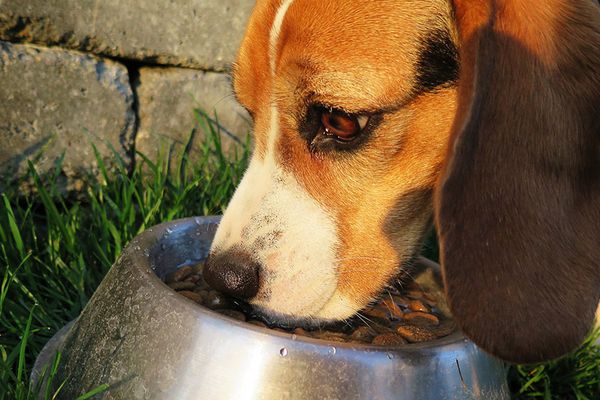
<point>233,273</point>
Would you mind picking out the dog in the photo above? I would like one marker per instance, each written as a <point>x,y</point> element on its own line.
<point>374,119</point>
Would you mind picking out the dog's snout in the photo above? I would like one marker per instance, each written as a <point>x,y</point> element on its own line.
<point>233,273</point>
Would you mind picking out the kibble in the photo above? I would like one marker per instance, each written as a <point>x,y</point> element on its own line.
<point>179,274</point>
<point>376,312</point>
<point>422,318</point>
<point>388,339</point>
<point>362,334</point>
<point>417,305</point>
<point>417,334</point>
<point>191,295</point>
<point>393,308</point>
<point>401,317</point>
<point>185,285</point>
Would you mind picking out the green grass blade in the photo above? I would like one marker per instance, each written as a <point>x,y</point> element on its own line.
<point>12,223</point>
<point>21,367</point>
<point>97,390</point>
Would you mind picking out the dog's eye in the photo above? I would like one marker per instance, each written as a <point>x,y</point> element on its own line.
<point>341,125</point>
<point>326,128</point>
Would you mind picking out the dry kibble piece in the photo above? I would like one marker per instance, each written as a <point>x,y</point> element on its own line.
<point>201,292</point>
<point>421,318</point>
<point>393,308</point>
<point>301,332</point>
<point>182,285</point>
<point>415,334</point>
<point>198,268</point>
<point>179,274</point>
<point>192,278</point>
<point>376,312</point>
<point>388,339</point>
<point>362,334</point>
<point>445,328</point>
<point>417,305</point>
<point>329,335</point>
<point>414,294</point>
<point>233,314</point>
<point>191,295</point>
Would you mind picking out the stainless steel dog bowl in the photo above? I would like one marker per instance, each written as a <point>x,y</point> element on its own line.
<point>147,342</point>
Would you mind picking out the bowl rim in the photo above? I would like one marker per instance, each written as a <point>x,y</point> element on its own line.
<point>152,236</point>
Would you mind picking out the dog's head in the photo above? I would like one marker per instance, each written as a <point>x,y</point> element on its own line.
<point>359,122</point>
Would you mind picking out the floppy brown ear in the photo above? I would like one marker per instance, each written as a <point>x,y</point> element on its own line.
<point>518,202</point>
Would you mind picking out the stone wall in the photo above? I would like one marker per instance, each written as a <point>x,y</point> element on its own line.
<point>124,75</point>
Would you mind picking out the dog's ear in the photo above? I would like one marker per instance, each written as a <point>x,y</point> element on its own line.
<point>518,202</point>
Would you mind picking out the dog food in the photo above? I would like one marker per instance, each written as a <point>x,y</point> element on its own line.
<point>415,313</point>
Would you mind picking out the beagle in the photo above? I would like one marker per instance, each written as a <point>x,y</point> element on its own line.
<point>368,129</point>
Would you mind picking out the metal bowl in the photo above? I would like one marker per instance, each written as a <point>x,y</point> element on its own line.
<point>148,342</point>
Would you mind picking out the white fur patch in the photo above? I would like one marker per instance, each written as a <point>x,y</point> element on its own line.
<point>293,238</point>
<point>274,32</point>
<point>287,231</point>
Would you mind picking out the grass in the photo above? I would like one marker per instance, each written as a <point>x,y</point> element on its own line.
<point>576,376</point>
<point>55,250</point>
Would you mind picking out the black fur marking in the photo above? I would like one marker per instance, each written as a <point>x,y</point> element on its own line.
<point>438,62</point>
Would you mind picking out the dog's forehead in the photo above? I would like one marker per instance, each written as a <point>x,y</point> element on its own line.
<point>351,51</point>
<point>345,48</point>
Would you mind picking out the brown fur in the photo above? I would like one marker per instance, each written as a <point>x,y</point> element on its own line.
<point>518,207</point>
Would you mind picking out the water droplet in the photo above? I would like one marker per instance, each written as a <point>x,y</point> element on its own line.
<point>332,350</point>
<point>283,352</point>
<point>138,248</point>
<point>169,230</point>
<point>390,356</point>
<point>198,221</point>
<point>163,246</point>
<point>294,336</point>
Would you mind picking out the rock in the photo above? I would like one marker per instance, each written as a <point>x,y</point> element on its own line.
<point>200,34</point>
<point>55,101</point>
<point>167,98</point>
